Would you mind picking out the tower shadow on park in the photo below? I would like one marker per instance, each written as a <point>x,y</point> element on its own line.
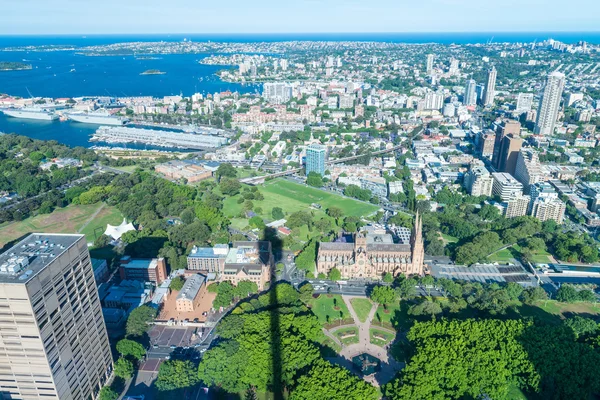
<point>270,234</point>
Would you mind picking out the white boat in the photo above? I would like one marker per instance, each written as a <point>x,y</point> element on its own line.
<point>101,117</point>
<point>30,113</point>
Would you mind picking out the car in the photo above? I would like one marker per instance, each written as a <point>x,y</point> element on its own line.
<point>202,350</point>
<point>155,346</point>
<point>173,347</point>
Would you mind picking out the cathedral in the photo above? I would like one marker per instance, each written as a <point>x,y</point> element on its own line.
<point>373,255</point>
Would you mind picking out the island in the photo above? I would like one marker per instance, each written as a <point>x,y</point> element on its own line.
<point>153,72</point>
<point>13,66</point>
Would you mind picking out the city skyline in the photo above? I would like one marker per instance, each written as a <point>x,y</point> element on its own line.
<point>267,16</point>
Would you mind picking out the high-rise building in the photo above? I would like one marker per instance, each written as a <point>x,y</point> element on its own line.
<point>429,63</point>
<point>346,101</point>
<point>433,101</point>
<point>524,102</point>
<point>545,203</point>
<point>509,150</point>
<point>490,88</point>
<point>478,181</point>
<point>53,341</point>
<point>549,104</point>
<point>515,207</point>
<point>284,64</point>
<point>506,186</point>
<point>507,143</point>
<point>315,159</point>
<point>277,92</point>
<point>528,168</point>
<point>470,97</point>
<point>453,66</point>
<point>485,143</point>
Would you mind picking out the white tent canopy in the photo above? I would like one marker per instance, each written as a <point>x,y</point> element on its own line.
<point>117,231</point>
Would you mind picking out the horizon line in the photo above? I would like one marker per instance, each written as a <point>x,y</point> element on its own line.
<point>302,33</point>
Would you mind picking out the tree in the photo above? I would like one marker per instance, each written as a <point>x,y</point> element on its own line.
<point>581,326</point>
<point>335,213</point>
<point>131,348</point>
<point>107,393</point>
<point>123,368</point>
<point>567,294</point>
<point>514,290</point>
<point>464,359</point>
<point>428,281</point>
<point>328,381</point>
<point>102,241</point>
<point>230,187</point>
<point>306,292</point>
<point>225,294</point>
<point>225,170</point>
<point>383,295</point>
<point>213,287</point>
<point>407,288</point>
<point>176,374</point>
<point>187,216</point>
<point>177,283</point>
<point>314,179</point>
<point>257,222</point>
<point>533,295</point>
<point>425,308</point>
<point>277,213</point>
<point>587,296</point>
<point>137,323</point>
<point>388,277</point>
<point>334,274</point>
<point>245,288</point>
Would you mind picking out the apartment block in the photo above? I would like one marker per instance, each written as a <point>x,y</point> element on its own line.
<point>53,340</point>
<point>506,186</point>
<point>478,181</point>
<point>528,168</point>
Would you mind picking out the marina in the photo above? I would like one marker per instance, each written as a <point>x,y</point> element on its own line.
<point>159,138</point>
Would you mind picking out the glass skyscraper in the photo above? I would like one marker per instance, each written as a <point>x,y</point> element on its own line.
<point>315,159</point>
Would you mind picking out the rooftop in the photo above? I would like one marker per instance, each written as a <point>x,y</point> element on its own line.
<point>31,255</point>
<point>219,251</point>
<point>140,263</point>
<point>191,287</point>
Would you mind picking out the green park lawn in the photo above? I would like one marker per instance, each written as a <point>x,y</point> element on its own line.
<point>378,334</point>
<point>362,307</point>
<point>449,239</point>
<point>292,197</point>
<point>70,219</point>
<point>514,252</point>
<point>324,307</point>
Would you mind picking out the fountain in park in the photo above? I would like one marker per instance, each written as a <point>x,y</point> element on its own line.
<point>366,364</point>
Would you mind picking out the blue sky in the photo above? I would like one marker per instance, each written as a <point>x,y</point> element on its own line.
<point>257,16</point>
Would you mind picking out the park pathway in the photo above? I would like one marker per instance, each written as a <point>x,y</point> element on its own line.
<point>91,218</point>
<point>332,337</point>
<point>364,344</point>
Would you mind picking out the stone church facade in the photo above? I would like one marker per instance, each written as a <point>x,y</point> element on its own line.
<point>373,255</point>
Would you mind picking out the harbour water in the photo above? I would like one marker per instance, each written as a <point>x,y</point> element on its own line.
<point>68,74</point>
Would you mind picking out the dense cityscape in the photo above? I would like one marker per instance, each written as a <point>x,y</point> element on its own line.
<point>378,220</point>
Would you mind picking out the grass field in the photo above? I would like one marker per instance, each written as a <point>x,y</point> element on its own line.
<point>506,255</point>
<point>378,334</point>
<point>292,197</point>
<point>63,220</point>
<point>362,307</point>
<point>324,308</point>
<point>448,238</point>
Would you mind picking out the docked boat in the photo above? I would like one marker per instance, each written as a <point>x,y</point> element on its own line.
<point>101,117</point>
<point>30,113</point>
